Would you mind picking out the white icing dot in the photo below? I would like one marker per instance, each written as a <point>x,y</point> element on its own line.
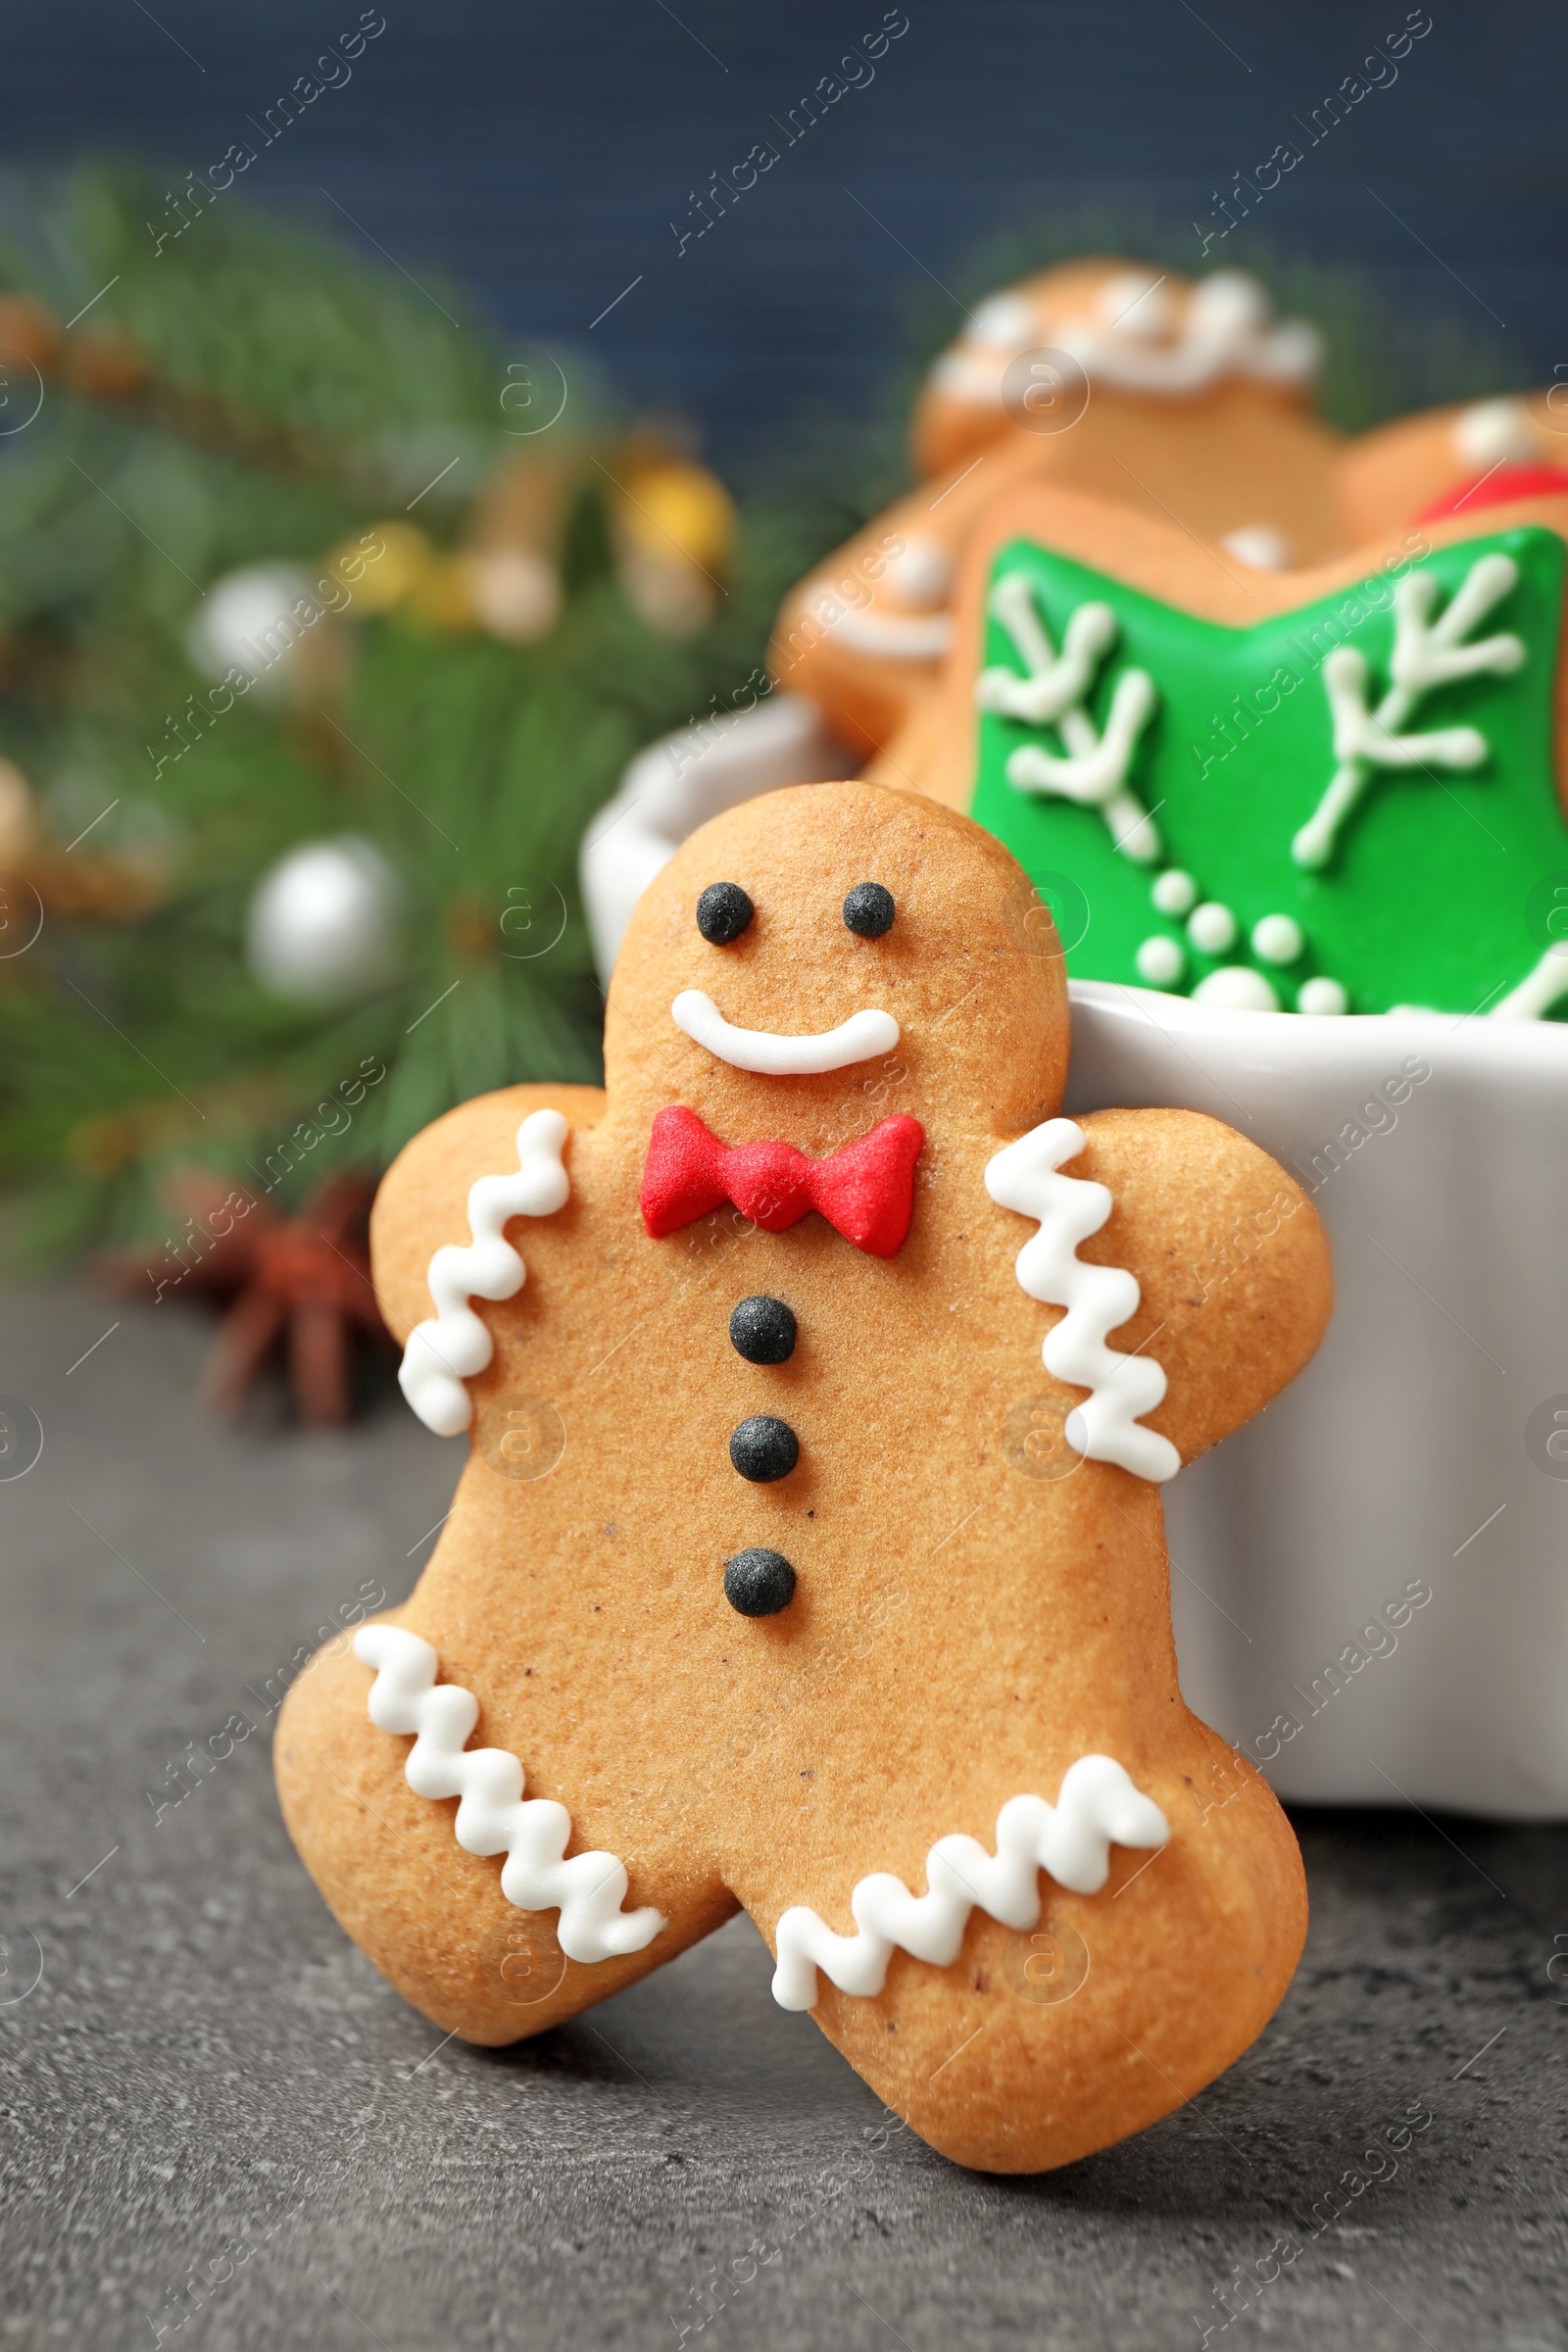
<point>1175,892</point>
<point>1136,304</point>
<point>1237,988</point>
<point>1212,928</point>
<point>1494,432</point>
<point>1278,939</point>
<point>1002,322</point>
<point>1161,960</point>
<point>920,579</point>
<point>1322,996</point>
<point>1259,545</point>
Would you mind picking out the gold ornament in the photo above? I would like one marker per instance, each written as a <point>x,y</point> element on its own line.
<point>674,526</point>
<point>441,600</point>
<point>407,557</point>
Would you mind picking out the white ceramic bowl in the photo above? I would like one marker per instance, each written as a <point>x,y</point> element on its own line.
<point>1421,1452</point>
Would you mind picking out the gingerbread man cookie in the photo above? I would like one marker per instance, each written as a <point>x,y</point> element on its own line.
<point>1166,395</point>
<point>821,1380</point>
<point>1453,460</point>
<point>1122,329</point>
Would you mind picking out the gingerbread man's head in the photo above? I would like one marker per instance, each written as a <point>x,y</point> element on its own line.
<point>805,958</point>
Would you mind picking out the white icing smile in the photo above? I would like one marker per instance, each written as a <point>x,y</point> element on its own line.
<point>863,1034</point>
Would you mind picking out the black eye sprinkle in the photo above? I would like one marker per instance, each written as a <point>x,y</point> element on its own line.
<point>724,912</point>
<point>869,909</point>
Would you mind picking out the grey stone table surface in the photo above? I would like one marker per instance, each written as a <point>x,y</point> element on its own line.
<point>222,2129</point>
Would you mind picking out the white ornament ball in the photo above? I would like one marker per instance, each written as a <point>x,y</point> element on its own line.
<point>1212,928</point>
<point>1322,996</point>
<point>1237,988</point>
<point>324,924</point>
<point>247,621</point>
<point>1161,960</point>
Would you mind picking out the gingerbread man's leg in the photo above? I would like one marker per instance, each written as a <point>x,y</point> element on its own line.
<point>1038,2045</point>
<point>436,1919</point>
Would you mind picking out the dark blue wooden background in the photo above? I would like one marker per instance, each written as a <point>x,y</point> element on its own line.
<point>539,149</point>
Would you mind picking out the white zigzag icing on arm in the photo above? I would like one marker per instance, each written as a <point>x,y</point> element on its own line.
<point>1026,1176</point>
<point>1098,1807</point>
<point>455,1345</point>
<point>493,1816</point>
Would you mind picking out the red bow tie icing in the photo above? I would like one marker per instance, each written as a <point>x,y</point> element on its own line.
<point>866,1191</point>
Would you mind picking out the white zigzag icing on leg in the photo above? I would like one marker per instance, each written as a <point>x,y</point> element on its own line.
<point>1026,1176</point>
<point>455,1345</point>
<point>492,1816</point>
<point>1098,1807</point>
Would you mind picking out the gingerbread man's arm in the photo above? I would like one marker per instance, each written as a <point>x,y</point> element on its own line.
<point>424,1200</point>
<point>1230,1260</point>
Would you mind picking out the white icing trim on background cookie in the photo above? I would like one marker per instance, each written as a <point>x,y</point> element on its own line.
<point>771,1057</point>
<point>1226,332</point>
<point>1133,345</point>
<point>492,1815</point>
<point>1094,772</point>
<point>1098,1807</point>
<point>921,576</point>
<point>1026,1176</point>
<point>1427,653</point>
<point>920,582</point>
<point>895,636</point>
<point>1495,432</point>
<point>455,1343</point>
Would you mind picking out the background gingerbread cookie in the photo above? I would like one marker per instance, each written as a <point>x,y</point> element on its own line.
<point>1459,460</point>
<point>808,1555</point>
<point>1170,396</point>
<point>1272,791</point>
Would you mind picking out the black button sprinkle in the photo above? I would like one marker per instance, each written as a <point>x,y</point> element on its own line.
<point>758,1583</point>
<point>764,1448</point>
<point>724,912</point>
<point>869,909</point>
<point>764,1330</point>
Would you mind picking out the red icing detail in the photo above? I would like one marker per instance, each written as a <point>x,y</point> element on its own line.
<point>865,1192</point>
<point>1498,488</point>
